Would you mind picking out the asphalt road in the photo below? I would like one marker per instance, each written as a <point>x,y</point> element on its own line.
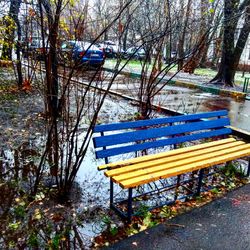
<point>223,224</point>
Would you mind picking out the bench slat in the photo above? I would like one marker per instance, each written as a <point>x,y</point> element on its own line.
<point>184,169</point>
<point>152,133</point>
<point>152,169</point>
<point>165,154</point>
<point>135,168</point>
<point>158,121</point>
<point>161,143</point>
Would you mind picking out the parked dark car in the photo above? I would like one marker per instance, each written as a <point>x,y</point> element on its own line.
<point>108,51</point>
<point>111,49</point>
<point>118,51</point>
<point>81,52</point>
<point>135,53</point>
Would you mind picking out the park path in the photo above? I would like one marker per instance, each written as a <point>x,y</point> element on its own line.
<point>222,224</point>
<point>192,100</point>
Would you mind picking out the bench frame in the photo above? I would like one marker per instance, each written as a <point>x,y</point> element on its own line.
<point>151,129</point>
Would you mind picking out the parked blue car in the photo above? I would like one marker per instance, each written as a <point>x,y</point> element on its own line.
<point>82,53</point>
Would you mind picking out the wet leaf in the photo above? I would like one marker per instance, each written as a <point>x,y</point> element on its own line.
<point>55,242</point>
<point>113,229</point>
<point>14,226</point>
<point>37,215</point>
<point>56,217</point>
<point>39,196</point>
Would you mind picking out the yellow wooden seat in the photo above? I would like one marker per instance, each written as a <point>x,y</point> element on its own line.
<point>145,169</point>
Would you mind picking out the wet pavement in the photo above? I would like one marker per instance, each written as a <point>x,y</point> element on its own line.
<point>223,224</point>
<point>187,100</point>
<point>192,101</point>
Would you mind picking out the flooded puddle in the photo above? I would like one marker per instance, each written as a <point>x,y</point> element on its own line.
<point>186,100</point>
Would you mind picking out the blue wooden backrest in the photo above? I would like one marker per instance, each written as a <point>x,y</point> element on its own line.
<point>158,132</point>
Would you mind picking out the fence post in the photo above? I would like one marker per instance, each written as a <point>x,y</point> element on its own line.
<point>245,86</point>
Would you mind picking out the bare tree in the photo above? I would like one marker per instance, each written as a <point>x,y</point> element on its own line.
<point>68,104</point>
<point>207,29</point>
<point>185,16</point>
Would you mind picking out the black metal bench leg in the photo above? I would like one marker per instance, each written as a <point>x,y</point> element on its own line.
<point>130,193</point>
<point>111,192</point>
<point>177,187</point>
<point>200,182</point>
<point>248,169</point>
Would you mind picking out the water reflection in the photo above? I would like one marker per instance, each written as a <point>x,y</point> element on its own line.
<point>192,101</point>
<point>238,110</point>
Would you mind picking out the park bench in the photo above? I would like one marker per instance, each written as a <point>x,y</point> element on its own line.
<point>145,135</point>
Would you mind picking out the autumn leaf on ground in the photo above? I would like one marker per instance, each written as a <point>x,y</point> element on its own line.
<point>235,202</point>
<point>26,85</point>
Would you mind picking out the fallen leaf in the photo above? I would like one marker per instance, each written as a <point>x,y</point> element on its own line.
<point>236,202</point>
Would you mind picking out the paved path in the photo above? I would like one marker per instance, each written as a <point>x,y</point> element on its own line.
<point>198,99</point>
<point>223,224</point>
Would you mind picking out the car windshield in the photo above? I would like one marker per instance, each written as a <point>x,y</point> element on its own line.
<point>79,45</point>
<point>108,43</point>
<point>137,50</point>
<point>88,46</point>
<point>68,45</point>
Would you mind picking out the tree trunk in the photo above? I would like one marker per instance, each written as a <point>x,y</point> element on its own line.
<point>231,54</point>
<point>52,82</point>
<point>217,49</point>
<point>18,54</point>
<point>51,60</point>
<point>182,37</point>
<point>18,47</point>
<point>203,62</point>
<point>10,30</point>
<point>202,45</point>
<point>194,61</point>
<point>241,42</point>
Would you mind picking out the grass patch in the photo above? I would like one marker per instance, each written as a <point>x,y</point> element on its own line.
<point>136,65</point>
